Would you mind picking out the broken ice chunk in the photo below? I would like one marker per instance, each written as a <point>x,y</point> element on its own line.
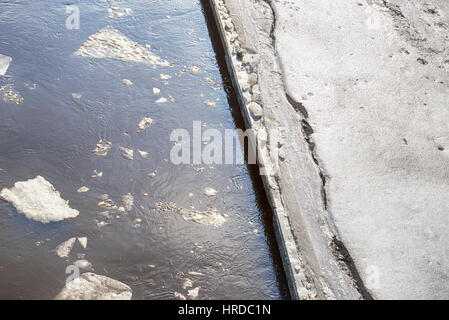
<point>63,250</point>
<point>210,192</point>
<point>109,43</point>
<point>4,64</point>
<point>193,293</point>
<point>145,122</point>
<point>128,154</point>
<point>83,264</point>
<point>83,242</point>
<point>90,286</point>
<point>179,296</point>
<point>116,12</point>
<point>127,82</point>
<point>83,189</point>
<point>161,100</point>
<point>37,199</point>
<point>128,202</point>
<point>143,154</point>
<point>210,103</point>
<point>187,284</point>
<point>102,148</point>
<point>195,69</point>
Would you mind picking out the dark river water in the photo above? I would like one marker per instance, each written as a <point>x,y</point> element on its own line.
<point>52,134</point>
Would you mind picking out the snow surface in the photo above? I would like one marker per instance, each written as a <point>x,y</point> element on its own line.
<point>373,79</point>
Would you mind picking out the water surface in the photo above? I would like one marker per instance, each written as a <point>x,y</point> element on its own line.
<point>53,134</point>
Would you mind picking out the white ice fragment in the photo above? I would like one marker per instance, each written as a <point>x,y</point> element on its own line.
<point>90,286</point>
<point>195,69</point>
<point>37,199</point>
<point>102,224</point>
<point>187,284</point>
<point>103,197</point>
<point>116,12</point>
<point>76,95</point>
<point>210,103</point>
<point>165,76</point>
<point>195,274</point>
<point>211,217</point>
<point>97,174</point>
<point>127,82</point>
<point>210,192</point>
<point>161,100</point>
<point>145,122</point>
<point>102,148</point>
<point>83,189</point>
<point>4,63</point>
<point>156,90</point>
<point>143,154</point>
<point>83,264</point>
<point>63,250</point>
<point>179,296</point>
<point>83,241</point>
<point>128,201</point>
<point>109,43</point>
<point>151,175</point>
<point>193,293</point>
<point>128,154</point>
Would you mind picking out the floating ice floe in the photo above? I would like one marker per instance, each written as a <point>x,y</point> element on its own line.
<point>76,95</point>
<point>127,82</point>
<point>10,94</point>
<point>128,154</point>
<point>210,103</point>
<point>4,63</point>
<point>210,192</point>
<point>144,123</point>
<point>195,274</point>
<point>31,87</point>
<point>37,199</point>
<point>63,250</point>
<point>187,284</point>
<point>165,76</point>
<point>143,154</point>
<point>97,174</point>
<point>161,100</point>
<point>193,293</point>
<point>210,217</point>
<point>90,286</point>
<point>83,264</point>
<point>102,148</point>
<point>179,296</point>
<point>83,189</point>
<point>195,69</point>
<point>116,12</point>
<point>128,201</point>
<point>151,175</point>
<point>83,241</point>
<point>109,43</point>
<point>156,90</point>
